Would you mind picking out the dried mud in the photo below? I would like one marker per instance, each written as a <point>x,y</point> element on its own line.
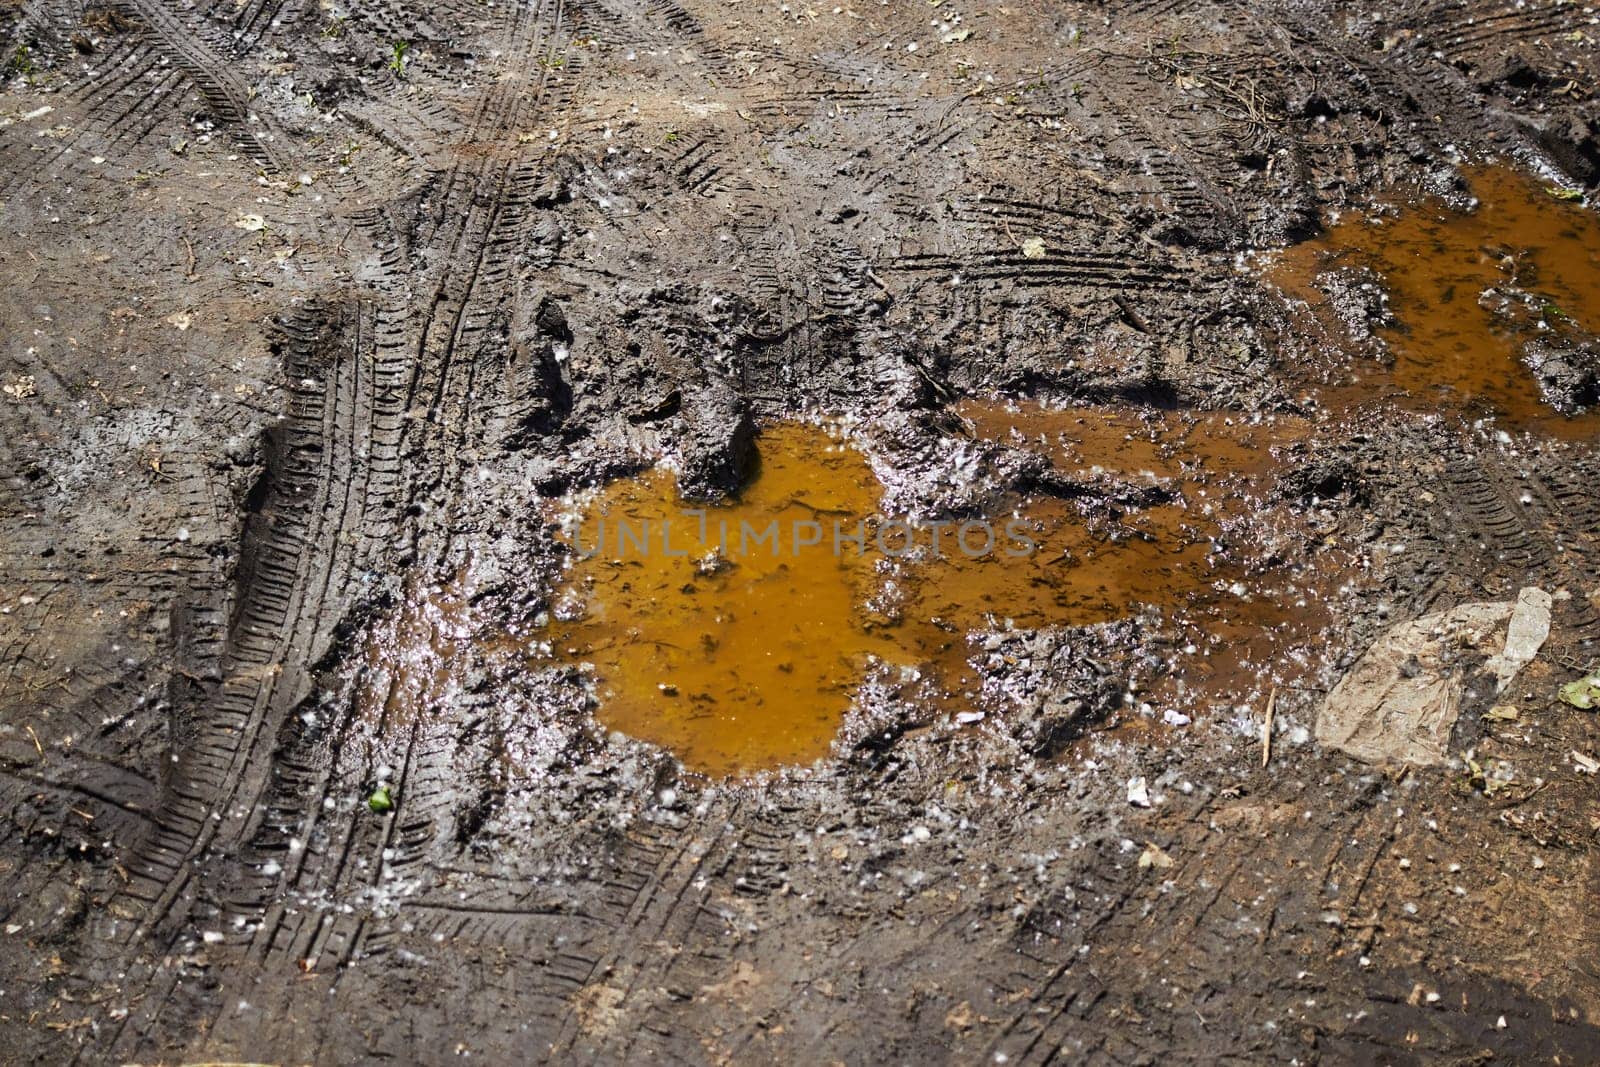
<point>319,317</point>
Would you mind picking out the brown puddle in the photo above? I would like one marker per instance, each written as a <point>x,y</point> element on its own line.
<point>1467,291</point>
<point>1201,557</point>
<point>739,658</point>
<point>736,661</point>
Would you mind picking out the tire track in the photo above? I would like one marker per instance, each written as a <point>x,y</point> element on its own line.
<point>208,72</point>
<point>353,446</point>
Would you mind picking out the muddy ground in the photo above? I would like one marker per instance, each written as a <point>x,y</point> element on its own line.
<point>299,324</point>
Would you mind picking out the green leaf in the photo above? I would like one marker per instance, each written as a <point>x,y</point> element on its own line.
<point>1564,194</point>
<point>380,801</point>
<point>1583,693</point>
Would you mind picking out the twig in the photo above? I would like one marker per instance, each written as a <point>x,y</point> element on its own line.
<point>1009,235</point>
<point>1266,728</point>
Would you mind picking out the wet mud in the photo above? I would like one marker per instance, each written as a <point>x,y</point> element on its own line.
<point>331,334</point>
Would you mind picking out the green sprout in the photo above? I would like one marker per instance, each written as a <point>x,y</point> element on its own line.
<point>21,62</point>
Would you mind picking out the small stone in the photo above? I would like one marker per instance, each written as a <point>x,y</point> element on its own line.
<point>1154,856</point>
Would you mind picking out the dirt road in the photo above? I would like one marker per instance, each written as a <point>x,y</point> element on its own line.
<point>317,316</point>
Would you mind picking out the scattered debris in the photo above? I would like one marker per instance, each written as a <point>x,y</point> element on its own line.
<point>1033,248</point>
<point>1266,728</point>
<point>1401,700</point>
<point>1138,792</point>
<point>713,562</point>
<point>959,1017</point>
<point>1525,635</point>
<point>1490,776</point>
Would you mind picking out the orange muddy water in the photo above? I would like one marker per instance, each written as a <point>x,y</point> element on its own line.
<point>1455,341</point>
<point>741,652</point>
<point>1202,558</point>
<point>735,658</point>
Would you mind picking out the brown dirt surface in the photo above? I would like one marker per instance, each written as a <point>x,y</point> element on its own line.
<point>317,315</point>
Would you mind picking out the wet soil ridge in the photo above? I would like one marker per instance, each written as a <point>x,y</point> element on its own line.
<point>314,312</point>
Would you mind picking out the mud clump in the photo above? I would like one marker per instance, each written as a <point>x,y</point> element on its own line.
<point>1060,682</point>
<point>717,450</point>
<point>1568,373</point>
<point>1574,142</point>
<point>539,344</point>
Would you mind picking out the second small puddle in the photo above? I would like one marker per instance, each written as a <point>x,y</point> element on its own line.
<point>1467,291</point>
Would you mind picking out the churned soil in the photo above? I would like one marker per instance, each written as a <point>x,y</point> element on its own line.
<point>323,321</point>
